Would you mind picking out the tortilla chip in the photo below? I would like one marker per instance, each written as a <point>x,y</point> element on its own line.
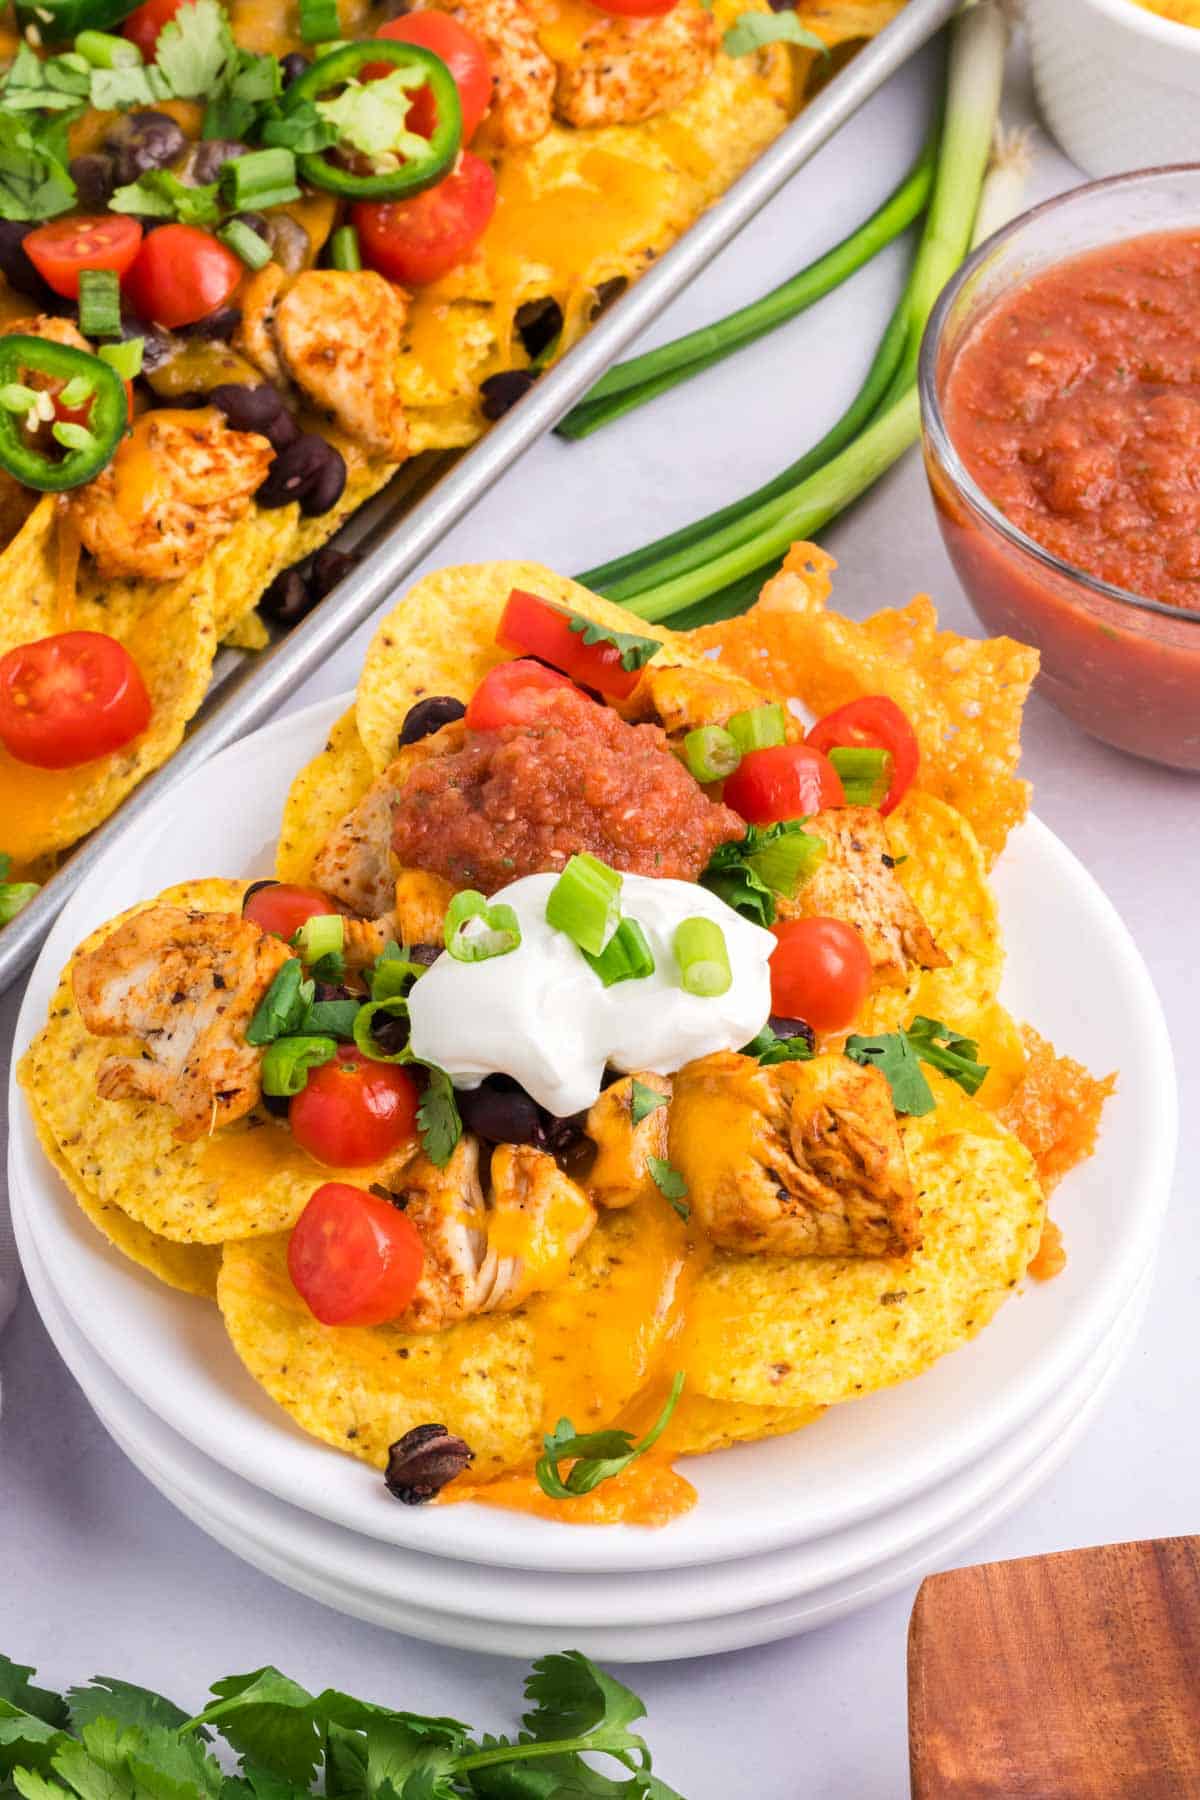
<point>699,1424</point>
<point>322,793</point>
<point>964,696</point>
<point>767,1331</point>
<point>247,633</point>
<point>1055,1108</point>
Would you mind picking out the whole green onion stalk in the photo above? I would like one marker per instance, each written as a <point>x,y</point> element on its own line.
<point>716,566</point>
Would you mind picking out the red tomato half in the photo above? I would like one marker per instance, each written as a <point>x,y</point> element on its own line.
<point>873,723</point>
<point>68,699</point>
<point>354,1259</point>
<point>514,693</point>
<point>637,9</point>
<point>143,26</point>
<point>354,1111</point>
<point>61,250</point>
<point>464,56</point>
<point>415,241</point>
<point>786,781</point>
<point>821,972</point>
<point>533,627</point>
<point>181,274</point>
<point>282,908</point>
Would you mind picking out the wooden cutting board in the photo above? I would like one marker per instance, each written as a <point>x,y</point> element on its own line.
<point>1069,1677</point>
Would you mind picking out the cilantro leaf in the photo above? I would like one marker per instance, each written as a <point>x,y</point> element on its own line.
<point>736,883</point>
<point>97,1767</point>
<point>643,1101</point>
<point>896,1059</point>
<point>56,85</point>
<point>161,195</point>
<point>195,53</point>
<point>438,1119</point>
<point>15,1684</point>
<point>770,1048</point>
<point>31,1784</point>
<point>170,1766</point>
<point>268,1718</point>
<point>942,1048</point>
<point>370,117</point>
<point>27,1740</point>
<point>596,1455</point>
<point>106,1698</point>
<point>302,130</point>
<point>670,1184</point>
<point>754,31</point>
<point>283,1006</point>
<point>774,859</point>
<point>34,180</point>
<point>572,1697</point>
<point>635,651</point>
<point>117,90</point>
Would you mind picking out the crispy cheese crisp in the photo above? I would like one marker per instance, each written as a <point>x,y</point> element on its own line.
<point>963,696</point>
<point>1054,1108</point>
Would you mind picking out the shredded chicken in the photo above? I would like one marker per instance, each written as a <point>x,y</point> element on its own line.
<point>619,1176</point>
<point>522,74</point>
<point>339,334</point>
<point>170,494</point>
<point>186,984</point>
<point>856,882</point>
<point>798,1159</point>
<point>628,69</point>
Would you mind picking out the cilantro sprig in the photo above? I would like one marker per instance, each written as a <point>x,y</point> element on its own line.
<point>898,1056</point>
<point>13,894</point>
<point>122,1742</point>
<point>635,651</point>
<point>595,1456</point>
<point>750,873</point>
<point>670,1184</point>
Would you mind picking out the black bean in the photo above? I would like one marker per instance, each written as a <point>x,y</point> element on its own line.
<point>422,1462</point>
<point>333,990</point>
<point>291,246</point>
<point>390,1032</point>
<point>782,5</point>
<point>538,323</point>
<point>560,1136</point>
<point>277,1104</point>
<point>288,599</point>
<point>95,177</point>
<point>424,953</point>
<point>16,267</point>
<point>158,345</point>
<point>256,887</point>
<point>219,325</point>
<point>259,409</point>
<point>308,470</point>
<point>142,141</point>
<point>329,568</point>
<point>500,1111</point>
<point>204,161</point>
<point>428,716</point>
<point>789,1028</point>
<point>293,66</point>
<point>500,392</point>
<point>396,9</point>
<point>608,291</point>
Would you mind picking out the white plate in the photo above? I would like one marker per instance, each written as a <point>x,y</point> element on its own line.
<point>1072,968</point>
<point>264,1532</point>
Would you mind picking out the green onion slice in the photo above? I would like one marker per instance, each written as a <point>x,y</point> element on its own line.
<point>585,902</point>
<point>626,957</point>
<point>758,727</point>
<point>364,1029</point>
<point>703,958</point>
<point>322,935</point>
<point>125,358</point>
<point>392,974</point>
<point>319,21</point>
<point>345,251</point>
<point>287,1062</point>
<point>245,243</point>
<point>865,774</point>
<point>104,51</point>
<point>712,753</point>
<point>13,896</point>
<point>99,303</point>
<point>260,179</point>
<point>784,856</point>
<point>497,932</point>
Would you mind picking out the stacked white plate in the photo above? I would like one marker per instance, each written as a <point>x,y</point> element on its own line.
<point>787,1534</point>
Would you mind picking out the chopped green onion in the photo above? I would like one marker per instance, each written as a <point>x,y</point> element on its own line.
<point>364,1029</point>
<point>345,252</point>
<point>497,932</point>
<point>759,727</point>
<point>703,958</point>
<point>319,21</point>
<point>72,436</point>
<point>280,1006</point>
<point>322,935</point>
<point>287,1062</point>
<point>77,390</point>
<point>585,902</point>
<point>125,358</point>
<point>13,896</point>
<point>392,974</point>
<point>104,51</point>
<point>99,303</point>
<point>260,179</point>
<point>784,856</point>
<point>15,397</point>
<point>865,774</point>
<point>711,753</point>
<point>626,957</point>
<point>245,242</point>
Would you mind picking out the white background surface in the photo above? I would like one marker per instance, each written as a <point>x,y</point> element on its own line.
<point>98,1574</point>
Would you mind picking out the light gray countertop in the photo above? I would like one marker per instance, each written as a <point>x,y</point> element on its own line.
<point>99,1574</point>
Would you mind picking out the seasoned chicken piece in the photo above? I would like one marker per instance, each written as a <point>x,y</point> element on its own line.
<point>681,700</point>
<point>855,882</point>
<point>488,1252</point>
<point>630,69</point>
<point>522,74</point>
<point>420,907</point>
<point>176,486</point>
<point>50,327</point>
<point>799,1159</point>
<point>255,335</point>
<point>339,334</point>
<point>187,984</point>
<point>619,1175</point>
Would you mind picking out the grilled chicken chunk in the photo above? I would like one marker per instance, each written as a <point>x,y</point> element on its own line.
<point>170,494</point>
<point>522,74</point>
<point>187,984</point>
<point>619,1175</point>
<point>339,335</point>
<point>487,1252</point>
<point>628,70</point>
<point>255,334</point>
<point>856,882</point>
<point>681,699</point>
<point>799,1159</point>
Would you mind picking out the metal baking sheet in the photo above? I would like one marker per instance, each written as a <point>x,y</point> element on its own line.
<point>400,527</point>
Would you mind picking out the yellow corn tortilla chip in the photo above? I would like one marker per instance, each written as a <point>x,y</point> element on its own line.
<point>963,696</point>
<point>323,793</point>
<point>699,1424</point>
<point>812,1332</point>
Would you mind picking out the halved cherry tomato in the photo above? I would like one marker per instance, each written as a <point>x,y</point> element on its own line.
<point>785,781</point>
<point>282,908</point>
<point>68,699</point>
<point>821,972</point>
<point>61,250</point>
<point>415,241</point>
<point>354,1111</point>
<point>873,723</point>
<point>354,1259</point>
<point>143,26</point>
<point>181,274</point>
<point>514,693</point>
<point>637,9</point>
<point>533,627</point>
<point>463,54</point>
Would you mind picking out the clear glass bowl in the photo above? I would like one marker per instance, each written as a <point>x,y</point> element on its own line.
<point>1123,666</point>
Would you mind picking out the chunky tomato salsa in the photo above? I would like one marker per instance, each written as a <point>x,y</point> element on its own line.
<point>1075,405</point>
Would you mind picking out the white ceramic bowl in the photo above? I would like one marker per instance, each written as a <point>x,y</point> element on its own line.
<point>1119,86</point>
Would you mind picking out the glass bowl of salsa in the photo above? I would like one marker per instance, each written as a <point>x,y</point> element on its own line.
<point>1060,398</point>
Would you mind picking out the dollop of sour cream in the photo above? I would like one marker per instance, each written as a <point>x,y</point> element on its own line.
<point>541,1014</point>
